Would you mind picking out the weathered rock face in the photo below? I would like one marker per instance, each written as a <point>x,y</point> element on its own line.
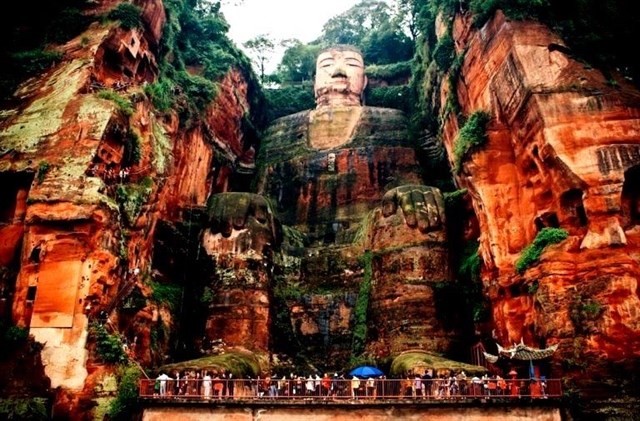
<point>240,238</point>
<point>563,151</point>
<point>407,235</point>
<point>69,247</point>
<point>79,220</point>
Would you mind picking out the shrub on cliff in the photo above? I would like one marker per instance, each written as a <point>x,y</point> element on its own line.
<point>531,254</point>
<point>472,135</point>
<point>128,14</point>
<point>23,409</point>
<point>362,307</point>
<point>108,347</point>
<point>398,97</point>
<point>289,99</point>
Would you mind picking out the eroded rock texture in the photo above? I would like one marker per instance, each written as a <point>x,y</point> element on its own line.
<point>562,152</point>
<point>327,168</point>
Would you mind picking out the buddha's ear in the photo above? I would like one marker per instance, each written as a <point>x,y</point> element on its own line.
<point>366,80</point>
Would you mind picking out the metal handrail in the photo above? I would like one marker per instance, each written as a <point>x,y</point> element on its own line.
<point>343,389</point>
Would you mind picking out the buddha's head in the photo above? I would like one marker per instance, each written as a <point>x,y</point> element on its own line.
<point>340,78</point>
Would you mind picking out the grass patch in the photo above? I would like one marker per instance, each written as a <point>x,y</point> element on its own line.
<point>240,363</point>
<point>124,105</point>
<point>161,94</point>
<point>131,197</point>
<point>531,254</point>
<point>389,71</point>
<point>421,361</point>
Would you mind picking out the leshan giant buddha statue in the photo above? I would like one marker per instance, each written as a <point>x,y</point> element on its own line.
<point>347,178</point>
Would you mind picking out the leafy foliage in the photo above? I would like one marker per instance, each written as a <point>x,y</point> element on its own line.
<point>161,94</point>
<point>128,14</point>
<point>195,54</point>
<point>43,168</point>
<point>391,71</point>
<point>260,48</point>
<point>15,335</point>
<point>595,30</point>
<point>169,294</point>
<point>126,401</point>
<point>16,338</point>
<point>472,135</point>
<point>371,26</point>
<point>444,52</point>
<point>132,153</point>
<point>583,311</point>
<point>398,97</point>
<point>33,409</point>
<point>470,262</point>
<point>362,306</point>
<point>131,198</point>
<point>531,254</point>
<point>298,63</point>
<point>289,100</point>
<point>108,347</point>
<point>27,28</point>
<point>515,9</point>
<point>35,61</point>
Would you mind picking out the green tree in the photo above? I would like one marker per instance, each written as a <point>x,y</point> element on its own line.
<point>298,62</point>
<point>372,26</point>
<point>260,49</point>
<point>387,44</point>
<point>352,26</point>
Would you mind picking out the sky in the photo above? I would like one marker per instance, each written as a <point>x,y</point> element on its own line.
<point>280,19</point>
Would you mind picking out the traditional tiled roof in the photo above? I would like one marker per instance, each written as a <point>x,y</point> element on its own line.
<point>521,352</point>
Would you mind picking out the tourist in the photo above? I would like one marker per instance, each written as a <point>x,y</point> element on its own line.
<point>371,387</point>
<point>310,385</point>
<point>162,378</point>
<point>326,384</point>
<point>206,385</point>
<point>355,385</point>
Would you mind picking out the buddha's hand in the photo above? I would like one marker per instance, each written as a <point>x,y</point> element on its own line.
<point>229,211</point>
<point>422,206</point>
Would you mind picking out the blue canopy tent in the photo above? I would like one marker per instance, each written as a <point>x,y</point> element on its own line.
<point>366,371</point>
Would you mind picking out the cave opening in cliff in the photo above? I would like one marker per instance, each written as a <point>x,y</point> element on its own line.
<point>14,199</point>
<point>547,219</point>
<point>573,207</point>
<point>31,293</point>
<point>631,196</point>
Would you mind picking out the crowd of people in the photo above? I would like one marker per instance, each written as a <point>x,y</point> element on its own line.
<point>444,384</point>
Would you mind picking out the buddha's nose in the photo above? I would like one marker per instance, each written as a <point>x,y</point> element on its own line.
<point>339,71</point>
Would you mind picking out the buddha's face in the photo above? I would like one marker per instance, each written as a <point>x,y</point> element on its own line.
<point>340,78</point>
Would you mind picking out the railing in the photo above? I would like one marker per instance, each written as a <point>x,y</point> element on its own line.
<point>345,389</point>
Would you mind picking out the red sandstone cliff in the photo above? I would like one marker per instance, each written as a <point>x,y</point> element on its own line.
<point>78,235</point>
<point>563,150</point>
